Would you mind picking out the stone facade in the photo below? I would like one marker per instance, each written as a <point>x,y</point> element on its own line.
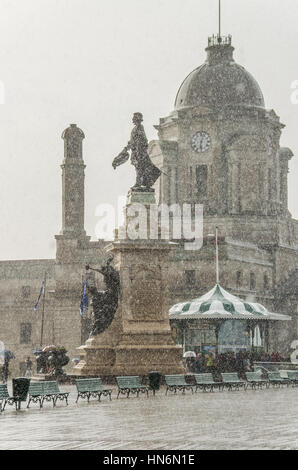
<point>139,339</point>
<point>219,147</point>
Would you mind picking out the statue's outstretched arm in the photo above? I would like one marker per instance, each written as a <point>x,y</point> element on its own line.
<point>93,269</point>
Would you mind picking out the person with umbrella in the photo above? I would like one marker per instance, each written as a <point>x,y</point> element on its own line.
<point>190,356</point>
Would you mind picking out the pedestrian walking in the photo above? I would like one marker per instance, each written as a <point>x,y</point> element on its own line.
<point>29,364</point>
<point>5,370</point>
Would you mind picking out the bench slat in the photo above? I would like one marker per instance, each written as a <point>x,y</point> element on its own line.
<point>50,388</point>
<point>230,377</point>
<point>89,385</point>
<point>36,388</point>
<point>129,382</point>
<point>178,380</point>
<point>253,377</point>
<point>205,378</point>
<point>3,392</point>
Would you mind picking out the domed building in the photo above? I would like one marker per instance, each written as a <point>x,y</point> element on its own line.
<point>220,82</point>
<point>220,147</point>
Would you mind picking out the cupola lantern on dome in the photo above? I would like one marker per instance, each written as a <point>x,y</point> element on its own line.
<point>219,49</point>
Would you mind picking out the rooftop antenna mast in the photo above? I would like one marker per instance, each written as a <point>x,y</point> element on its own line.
<point>219,18</point>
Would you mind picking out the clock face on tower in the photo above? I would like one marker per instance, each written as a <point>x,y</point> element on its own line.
<point>201,141</point>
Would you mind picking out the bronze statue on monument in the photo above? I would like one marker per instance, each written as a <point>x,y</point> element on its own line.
<point>147,173</point>
<point>104,303</point>
<point>136,335</point>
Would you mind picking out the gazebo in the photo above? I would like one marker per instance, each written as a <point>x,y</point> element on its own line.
<point>220,322</point>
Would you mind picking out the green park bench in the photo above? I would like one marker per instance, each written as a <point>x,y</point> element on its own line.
<point>5,398</point>
<point>35,393</point>
<point>130,384</point>
<point>206,382</point>
<point>176,382</point>
<point>52,392</point>
<point>45,391</point>
<point>275,379</point>
<point>254,380</point>
<point>91,388</point>
<point>231,380</point>
<point>293,377</point>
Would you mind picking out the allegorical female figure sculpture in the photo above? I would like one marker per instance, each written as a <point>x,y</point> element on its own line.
<point>104,303</point>
<point>147,173</point>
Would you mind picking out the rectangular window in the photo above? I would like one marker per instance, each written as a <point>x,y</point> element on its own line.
<point>238,279</point>
<point>201,178</point>
<point>25,333</point>
<point>266,282</point>
<point>252,282</point>
<point>190,278</point>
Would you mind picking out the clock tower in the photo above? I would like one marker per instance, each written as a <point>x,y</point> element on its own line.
<point>220,147</point>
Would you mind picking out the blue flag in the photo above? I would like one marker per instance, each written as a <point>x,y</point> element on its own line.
<point>40,294</point>
<point>84,298</point>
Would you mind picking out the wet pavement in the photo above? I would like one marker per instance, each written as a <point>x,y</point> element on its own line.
<point>262,419</point>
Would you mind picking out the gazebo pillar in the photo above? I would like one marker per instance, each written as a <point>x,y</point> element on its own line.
<point>217,328</point>
<point>266,337</point>
<point>253,325</point>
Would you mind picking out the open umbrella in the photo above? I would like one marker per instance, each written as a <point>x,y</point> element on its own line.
<point>48,348</point>
<point>37,351</point>
<point>189,354</point>
<point>9,354</point>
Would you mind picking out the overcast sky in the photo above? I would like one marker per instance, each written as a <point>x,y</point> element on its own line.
<point>95,62</point>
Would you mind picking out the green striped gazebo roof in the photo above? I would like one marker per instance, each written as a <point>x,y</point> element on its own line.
<point>218,303</point>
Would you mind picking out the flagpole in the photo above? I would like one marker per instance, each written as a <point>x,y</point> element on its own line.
<point>216,255</point>
<point>43,305</point>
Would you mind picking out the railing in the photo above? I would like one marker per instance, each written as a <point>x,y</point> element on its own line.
<point>216,40</point>
<point>275,366</point>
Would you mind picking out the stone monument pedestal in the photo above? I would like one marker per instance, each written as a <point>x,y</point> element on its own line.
<point>139,339</point>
